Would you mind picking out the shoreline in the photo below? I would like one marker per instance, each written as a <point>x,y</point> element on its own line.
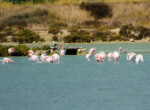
<point>62,43</point>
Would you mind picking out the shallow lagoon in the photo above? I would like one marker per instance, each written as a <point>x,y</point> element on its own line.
<point>75,84</point>
<point>110,47</point>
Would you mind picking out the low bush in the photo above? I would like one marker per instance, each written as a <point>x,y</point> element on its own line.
<point>130,31</point>
<point>45,47</point>
<point>20,50</point>
<point>97,9</point>
<point>28,36</point>
<point>78,36</point>
<point>36,48</point>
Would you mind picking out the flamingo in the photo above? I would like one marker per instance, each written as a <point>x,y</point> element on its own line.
<point>11,50</point>
<point>56,58</point>
<point>116,55</point>
<point>44,57</point>
<point>49,59</point>
<point>90,54</point>
<point>110,56</point>
<point>139,58</point>
<point>34,58</point>
<point>92,50</point>
<point>62,52</point>
<point>130,56</point>
<point>30,53</point>
<point>6,60</point>
<point>100,56</point>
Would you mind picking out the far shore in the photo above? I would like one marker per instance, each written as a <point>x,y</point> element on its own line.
<point>62,43</point>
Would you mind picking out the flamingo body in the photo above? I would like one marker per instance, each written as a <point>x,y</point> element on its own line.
<point>6,60</point>
<point>139,58</point>
<point>34,58</point>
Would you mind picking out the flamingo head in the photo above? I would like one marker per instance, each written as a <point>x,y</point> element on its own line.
<point>125,51</point>
<point>94,49</point>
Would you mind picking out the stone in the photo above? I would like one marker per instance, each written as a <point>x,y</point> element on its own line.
<point>131,40</point>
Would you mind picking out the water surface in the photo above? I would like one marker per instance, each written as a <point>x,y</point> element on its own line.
<point>75,84</point>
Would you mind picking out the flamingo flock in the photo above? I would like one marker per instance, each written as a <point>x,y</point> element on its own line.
<point>55,58</point>
<point>114,56</point>
<point>99,57</point>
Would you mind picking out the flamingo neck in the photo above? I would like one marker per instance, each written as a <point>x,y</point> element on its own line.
<point>119,51</point>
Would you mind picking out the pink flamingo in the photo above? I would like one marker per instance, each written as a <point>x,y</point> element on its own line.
<point>11,50</point>
<point>49,59</point>
<point>30,53</point>
<point>34,58</point>
<point>56,58</point>
<point>116,55</point>
<point>100,57</point>
<point>44,57</point>
<point>6,60</point>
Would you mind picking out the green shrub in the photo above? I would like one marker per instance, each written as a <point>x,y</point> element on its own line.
<point>3,50</point>
<point>28,36</point>
<point>20,50</point>
<point>97,9</point>
<point>36,48</point>
<point>78,36</point>
<point>45,47</point>
<point>130,31</point>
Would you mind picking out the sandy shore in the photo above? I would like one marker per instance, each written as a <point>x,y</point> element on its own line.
<point>62,43</point>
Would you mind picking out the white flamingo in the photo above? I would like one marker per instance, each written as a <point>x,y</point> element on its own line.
<point>34,58</point>
<point>110,56</point>
<point>6,60</point>
<point>130,56</point>
<point>139,58</point>
<point>62,51</point>
<point>92,50</point>
<point>90,54</point>
<point>116,55</point>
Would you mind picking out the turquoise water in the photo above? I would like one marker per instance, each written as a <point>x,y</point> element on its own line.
<point>132,47</point>
<point>75,84</point>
